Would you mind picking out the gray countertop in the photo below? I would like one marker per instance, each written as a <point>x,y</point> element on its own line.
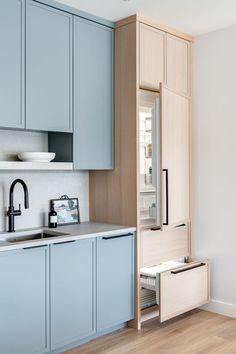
<point>74,232</point>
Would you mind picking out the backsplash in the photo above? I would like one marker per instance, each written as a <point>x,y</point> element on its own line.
<point>42,187</point>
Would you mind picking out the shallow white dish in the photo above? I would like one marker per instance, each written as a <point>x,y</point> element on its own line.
<point>36,156</point>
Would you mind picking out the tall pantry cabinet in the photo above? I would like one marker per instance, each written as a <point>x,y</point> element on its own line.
<point>149,187</point>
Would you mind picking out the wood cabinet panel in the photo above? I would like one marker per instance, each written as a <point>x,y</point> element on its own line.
<point>175,157</point>
<point>162,246</point>
<point>178,64</point>
<point>152,57</point>
<point>12,66</point>
<point>183,289</point>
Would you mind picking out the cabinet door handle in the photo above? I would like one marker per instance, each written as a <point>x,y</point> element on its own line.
<point>31,247</point>
<point>181,225</point>
<point>167,196</point>
<point>155,228</point>
<point>118,236</point>
<point>186,269</point>
<point>63,243</point>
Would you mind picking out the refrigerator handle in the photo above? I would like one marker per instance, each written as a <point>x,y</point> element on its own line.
<point>167,196</point>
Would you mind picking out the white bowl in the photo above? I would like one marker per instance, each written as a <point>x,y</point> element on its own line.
<point>36,156</point>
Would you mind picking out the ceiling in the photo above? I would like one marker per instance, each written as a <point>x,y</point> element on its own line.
<point>191,16</point>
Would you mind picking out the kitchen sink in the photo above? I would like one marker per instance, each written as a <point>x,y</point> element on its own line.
<point>31,236</point>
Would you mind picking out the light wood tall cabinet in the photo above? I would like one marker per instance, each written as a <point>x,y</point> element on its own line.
<point>149,187</point>
<point>152,57</point>
<point>178,64</point>
<point>164,58</point>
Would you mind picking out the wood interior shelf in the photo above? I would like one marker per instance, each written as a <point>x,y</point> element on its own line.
<point>41,166</point>
<point>149,313</point>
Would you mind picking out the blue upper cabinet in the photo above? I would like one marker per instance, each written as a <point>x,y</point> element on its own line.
<point>24,301</point>
<point>93,95</point>
<point>12,40</point>
<point>48,68</point>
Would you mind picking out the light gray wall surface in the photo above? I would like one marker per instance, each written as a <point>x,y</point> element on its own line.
<point>214,163</point>
<point>42,186</point>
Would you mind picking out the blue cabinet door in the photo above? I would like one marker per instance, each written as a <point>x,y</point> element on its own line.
<point>93,95</point>
<point>72,291</point>
<point>12,44</point>
<point>24,301</point>
<point>48,68</point>
<point>115,280</point>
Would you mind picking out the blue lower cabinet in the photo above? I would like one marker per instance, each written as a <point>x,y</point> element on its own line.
<point>72,291</point>
<point>24,301</point>
<point>57,295</point>
<point>115,280</point>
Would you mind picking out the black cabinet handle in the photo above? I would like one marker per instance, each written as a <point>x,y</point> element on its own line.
<point>31,247</point>
<point>167,196</point>
<point>63,243</point>
<point>186,269</point>
<point>118,236</point>
<point>181,225</point>
<point>155,228</point>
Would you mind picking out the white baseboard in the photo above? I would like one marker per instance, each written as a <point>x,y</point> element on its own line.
<point>220,307</point>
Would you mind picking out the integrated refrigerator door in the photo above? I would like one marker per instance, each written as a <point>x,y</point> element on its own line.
<point>150,159</point>
<point>175,158</point>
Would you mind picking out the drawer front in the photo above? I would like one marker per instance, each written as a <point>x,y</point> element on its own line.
<point>162,246</point>
<point>183,289</point>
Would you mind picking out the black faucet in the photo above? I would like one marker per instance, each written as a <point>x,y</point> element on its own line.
<point>11,211</point>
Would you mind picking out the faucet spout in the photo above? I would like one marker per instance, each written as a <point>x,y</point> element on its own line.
<point>11,211</point>
<point>26,193</point>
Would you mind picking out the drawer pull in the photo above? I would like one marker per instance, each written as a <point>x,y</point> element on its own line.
<point>186,269</point>
<point>181,225</point>
<point>118,236</point>
<point>63,243</point>
<point>155,228</point>
<point>32,247</point>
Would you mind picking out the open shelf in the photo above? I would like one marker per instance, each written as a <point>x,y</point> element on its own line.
<point>149,313</point>
<point>40,166</point>
<point>14,142</point>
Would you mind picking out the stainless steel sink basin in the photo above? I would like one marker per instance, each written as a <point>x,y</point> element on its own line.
<point>32,235</point>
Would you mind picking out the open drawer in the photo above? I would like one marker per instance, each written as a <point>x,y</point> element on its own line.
<point>183,289</point>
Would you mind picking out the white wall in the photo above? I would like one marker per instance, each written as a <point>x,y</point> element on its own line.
<point>214,163</point>
<point>42,186</point>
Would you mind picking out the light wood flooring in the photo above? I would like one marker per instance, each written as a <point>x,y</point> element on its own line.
<point>197,332</point>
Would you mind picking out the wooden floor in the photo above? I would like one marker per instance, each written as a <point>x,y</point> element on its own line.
<point>198,332</point>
